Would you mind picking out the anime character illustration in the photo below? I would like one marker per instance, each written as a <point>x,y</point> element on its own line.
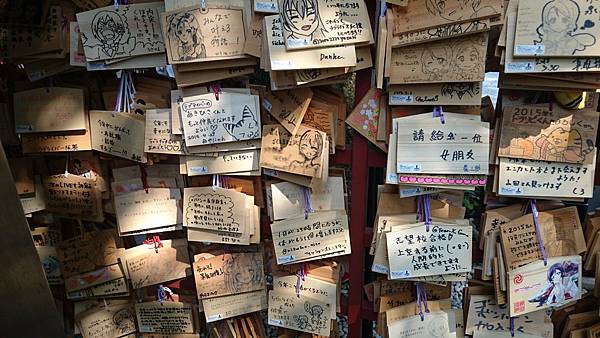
<point>457,10</point>
<point>316,313</point>
<point>435,62</point>
<point>124,321</point>
<point>561,145</point>
<point>460,89</point>
<point>438,329</point>
<point>466,60</point>
<point>184,29</point>
<point>242,274</point>
<point>246,128</point>
<point>557,30</point>
<point>302,322</point>
<point>113,38</point>
<point>310,149</point>
<point>301,18</point>
<point>563,280</point>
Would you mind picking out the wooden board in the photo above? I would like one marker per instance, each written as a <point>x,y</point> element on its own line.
<point>288,107</point>
<point>194,35</point>
<point>114,32</point>
<point>447,31</point>
<point>459,59</point>
<point>421,14</point>
<point>530,178</point>
<point>49,109</point>
<point>540,133</point>
<point>119,135</point>
<point>456,147</point>
<point>557,28</point>
<point>447,94</point>
<point>535,288</point>
<point>282,59</point>
<point>301,154</point>
<point>323,23</point>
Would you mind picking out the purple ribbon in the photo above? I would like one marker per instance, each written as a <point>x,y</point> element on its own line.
<point>427,211</point>
<point>421,299</point>
<point>512,326</point>
<point>300,279</point>
<point>438,112</point>
<point>307,207</point>
<point>534,211</point>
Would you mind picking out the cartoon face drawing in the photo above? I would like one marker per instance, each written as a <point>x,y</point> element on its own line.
<point>466,57</point>
<point>438,328</point>
<point>108,27</point>
<point>436,61</point>
<point>311,145</point>
<point>301,18</point>
<point>184,29</point>
<point>460,89</point>
<point>557,30</point>
<point>561,145</point>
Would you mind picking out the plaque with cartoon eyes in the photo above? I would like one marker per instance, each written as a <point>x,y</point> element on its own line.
<point>119,32</point>
<point>558,28</point>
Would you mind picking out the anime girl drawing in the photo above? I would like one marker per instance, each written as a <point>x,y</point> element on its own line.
<point>310,149</point>
<point>301,18</point>
<point>435,62</point>
<point>562,285</point>
<point>457,10</point>
<point>184,29</point>
<point>242,274</point>
<point>112,37</point>
<point>466,60</point>
<point>557,31</point>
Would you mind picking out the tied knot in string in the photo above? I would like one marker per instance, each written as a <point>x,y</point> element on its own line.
<point>307,205</point>
<point>534,212</point>
<point>163,293</point>
<point>438,112</point>
<point>155,241</point>
<point>421,299</point>
<point>215,89</point>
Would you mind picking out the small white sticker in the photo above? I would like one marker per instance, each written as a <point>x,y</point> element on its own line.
<point>22,128</point>
<point>519,67</point>
<point>285,259</point>
<point>531,50</point>
<point>266,6</point>
<point>198,170</point>
<point>267,105</point>
<point>400,274</point>
<point>213,318</point>
<point>282,64</point>
<point>146,328</point>
<point>379,268</point>
<point>392,178</point>
<point>275,322</point>
<point>400,99</point>
<point>298,42</point>
<point>504,190</point>
<point>410,168</point>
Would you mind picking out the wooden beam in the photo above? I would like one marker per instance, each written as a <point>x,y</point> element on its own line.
<point>27,309</point>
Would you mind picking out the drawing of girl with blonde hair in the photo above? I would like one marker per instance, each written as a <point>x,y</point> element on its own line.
<point>302,19</point>
<point>557,31</point>
<point>310,148</point>
<point>185,30</point>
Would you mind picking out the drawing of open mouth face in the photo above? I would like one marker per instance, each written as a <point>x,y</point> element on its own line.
<point>558,20</point>
<point>302,18</point>
<point>467,58</point>
<point>108,27</point>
